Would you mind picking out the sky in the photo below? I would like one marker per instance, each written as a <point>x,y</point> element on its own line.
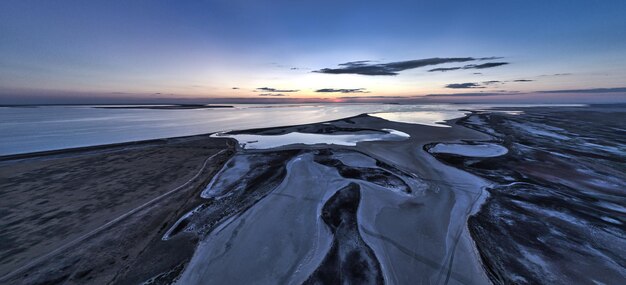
<point>296,51</point>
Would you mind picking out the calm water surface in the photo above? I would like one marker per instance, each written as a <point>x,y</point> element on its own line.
<point>25,130</point>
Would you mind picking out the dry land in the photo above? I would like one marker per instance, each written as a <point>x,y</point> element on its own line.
<point>97,214</point>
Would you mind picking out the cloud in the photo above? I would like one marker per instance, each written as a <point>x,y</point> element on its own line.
<point>484,65</point>
<point>332,90</point>
<point>159,94</point>
<point>471,66</point>
<point>358,62</point>
<point>366,67</point>
<point>374,97</point>
<point>444,69</point>
<point>474,94</point>
<point>592,90</point>
<point>464,85</point>
<point>268,89</point>
<point>272,95</point>
<point>490,58</point>
<point>491,82</point>
<point>555,74</point>
<point>235,88</point>
<point>483,84</point>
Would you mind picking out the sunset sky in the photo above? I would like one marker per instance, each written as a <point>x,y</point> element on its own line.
<point>422,51</point>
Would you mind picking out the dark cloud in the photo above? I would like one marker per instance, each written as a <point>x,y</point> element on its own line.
<point>444,69</point>
<point>333,90</point>
<point>373,97</point>
<point>475,94</point>
<point>490,58</point>
<point>366,67</point>
<point>235,88</point>
<point>471,66</point>
<point>592,90</point>
<point>358,62</point>
<point>268,89</point>
<point>272,95</point>
<point>483,84</point>
<point>484,65</point>
<point>464,85</point>
<point>492,82</point>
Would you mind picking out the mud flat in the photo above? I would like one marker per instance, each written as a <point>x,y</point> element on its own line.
<point>491,199</point>
<point>370,211</point>
<point>96,215</point>
<point>556,213</point>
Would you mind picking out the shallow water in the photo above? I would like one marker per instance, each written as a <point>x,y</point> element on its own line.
<point>57,127</point>
<point>430,118</point>
<point>250,141</point>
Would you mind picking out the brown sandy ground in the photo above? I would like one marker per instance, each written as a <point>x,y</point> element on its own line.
<point>97,215</point>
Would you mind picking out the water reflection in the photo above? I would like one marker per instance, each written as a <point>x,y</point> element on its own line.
<point>251,141</point>
<point>57,127</point>
<point>430,118</point>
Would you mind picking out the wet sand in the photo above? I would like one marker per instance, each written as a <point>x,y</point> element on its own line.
<point>410,221</point>
<point>556,212</point>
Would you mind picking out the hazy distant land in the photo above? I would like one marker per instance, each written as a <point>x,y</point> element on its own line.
<point>166,107</point>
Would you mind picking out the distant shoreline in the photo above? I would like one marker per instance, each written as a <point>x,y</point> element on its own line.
<point>126,106</point>
<point>80,149</point>
<point>167,107</point>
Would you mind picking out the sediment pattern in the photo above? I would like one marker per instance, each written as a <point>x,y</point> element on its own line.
<point>350,260</point>
<point>328,214</point>
<point>376,175</point>
<point>557,214</point>
<point>240,185</point>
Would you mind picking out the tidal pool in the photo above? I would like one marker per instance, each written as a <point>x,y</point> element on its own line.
<point>429,118</point>
<point>252,141</point>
